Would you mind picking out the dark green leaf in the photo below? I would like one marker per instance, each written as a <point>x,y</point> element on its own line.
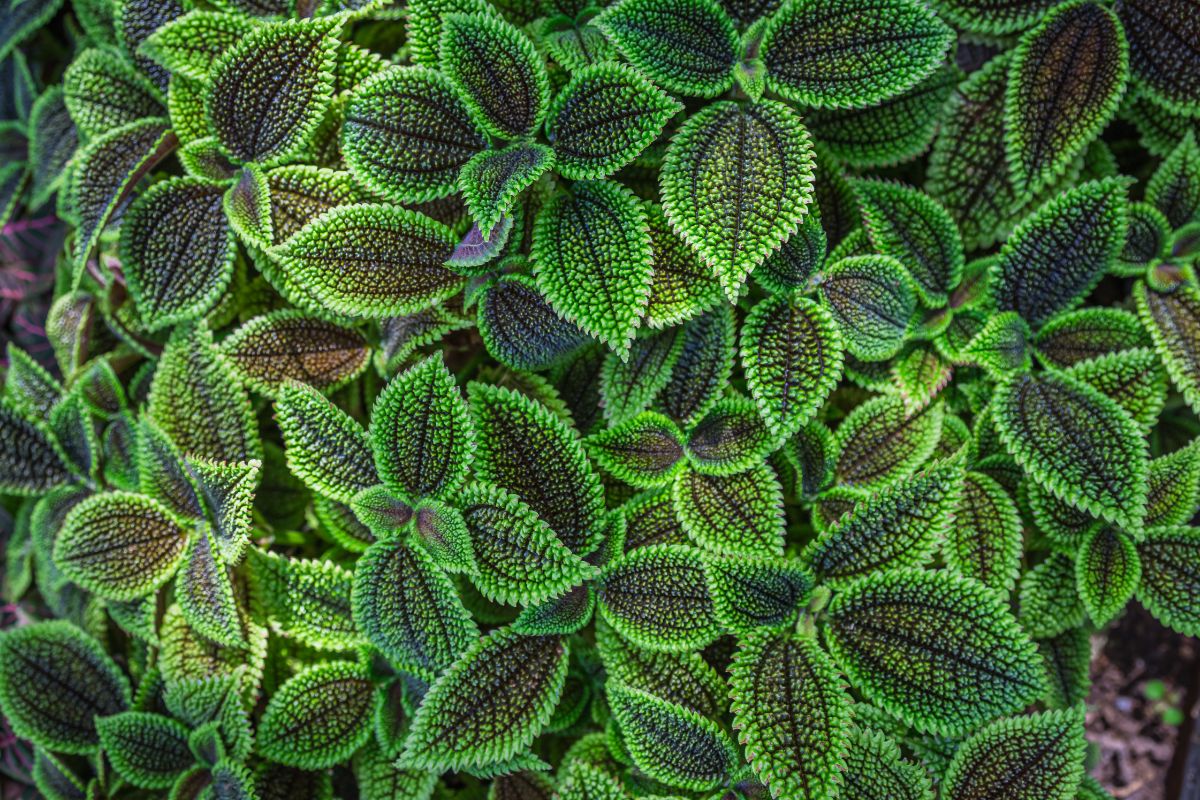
<point>645,451</point>
<point>730,438</point>
<point>1049,600</point>
<point>1173,487</point>
<point>204,592</point>
<point>1173,319</point>
<point>1154,29</point>
<point>658,598</point>
<point>289,345</point>
<point>191,44</point>
<point>1170,577</point>
<point>103,91</point>
<point>319,717</point>
<point>1135,379</point>
<point>492,179</point>
<point>629,385</point>
<point>752,592</point>
<point>1107,572</point>
<point>739,513</point>
<point>876,770</point>
<point>148,750</point>
<point>1077,336</point>
<point>325,447</point>
<point>1174,188</point>
<point>520,329</point>
<point>880,441</point>
<point>872,299</point>
<point>985,541</point>
<point>704,365</point>
<point>31,462</point>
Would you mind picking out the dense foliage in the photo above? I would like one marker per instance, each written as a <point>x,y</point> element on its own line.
<point>663,399</point>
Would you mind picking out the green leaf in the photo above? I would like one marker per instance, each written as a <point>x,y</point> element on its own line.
<point>1107,571</point>
<point>1038,757</point>
<point>177,251</point>
<point>1002,347</point>
<point>55,779</point>
<point>811,452</point>
<point>492,179</point>
<point>1145,240</point>
<point>497,72</point>
<point>373,260</point>
<point>752,592</point>
<point>1135,379</point>
<point>523,447</point>
<point>577,46</point>
<point>1049,600</point>
<point>247,205</point>
<point>1170,577</point>
<point>871,298</point>
<point>603,118</point>
<point>1067,658</point>
<point>792,355</point>
<point>658,598</point>
<point>629,385</point>
<point>683,678</point>
<point>191,44</point>
<point>120,545</point>
<point>148,750</point>
<point>900,525</point>
<point>1034,275</point>
<point>940,652</point>
<point>271,89</point>
<point>197,400</point>
<point>985,542</point>
<point>28,386</point>
<point>741,513</point>
<point>736,182</point>
<point>205,595</point>
<point>440,529</point>
<point>644,452</point>
<point>21,18</point>
<point>407,134</point>
<point>31,463</point>
<point>880,441</point>
<point>318,717</point>
<point>307,599</point>
<point>990,17</point>
<point>1065,83</point>
<point>289,345</point>
<point>300,193</point>
<point>564,615</point>
<point>520,329</point>
<point>53,141</point>
<point>1174,188</point>
<point>832,55</point>
<point>1173,320</point>
<point>688,47</point>
<point>102,91</point>
<point>1076,442</point>
<point>876,770</point>
<point>797,260</point>
<point>490,704</point>
<point>519,558</point>
<point>134,21</point>
<point>650,519</point>
<point>592,259</point>
<point>1172,487</point>
<point>672,743</point>
<point>54,681</point>
<point>730,438</point>
<point>1162,72</point>
<point>917,231</point>
<point>703,367</point>
<point>325,447</point>
<point>683,286</point>
<point>792,713</point>
<point>1077,336</point>
<point>379,778</point>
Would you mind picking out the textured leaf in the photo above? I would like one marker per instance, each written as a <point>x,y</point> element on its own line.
<point>1060,252</point>
<point>28,386</point>
<point>1065,83</point>
<point>523,447</point>
<point>577,46</point>
<point>985,541</point>
<point>739,513</point>
<point>685,679</point>
<point>1039,757</point>
<point>1135,379</point>
<point>53,141</point>
<point>148,750</point>
<point>1107,572</point>
<point>736,182</point>
<point>270,90</point>
<point>21,18</point>
<point>134,21</point>
<point>54,681</point>
<point>871,298</point>
<point>940,652</point>
<point>914,229</point>
<point>497,72</point>
<point>657,597</point>
<point>1145,240</point>
<point>1154,29</point>
<point>307,599</point>
<point>289,345</point>
<point>325,447</point>
<point>1067,658</point>
<point>704,365</point>
<point>591,252</point>
<point>191,44</point>
<point>604,117</point>
<point>408,609</point>
<point>318,717</point>
<point>797,260</point>
<point>751,592</point>
<point>1173,320</point>
<point>1170,577</point>
<point>204,592</point>
<point>1002,346</point>
<point>520,329</point>
<point>1075,442</point>
<point>379,778</point>
<point>875,770</point>
<point>898,526</point>
<point>730,438</point>
<point>792,355</point>
<point>568,613</point>
<point>1174,188</point>
<point>300,193</point>
<point>492,179</point>
<point>31,463</point>
<point>628,386</point>
<point>247,205</point>
<point>490,704</point>
<point>650,519</point>
<point>792,713</point>
<point>119,545</point>
<point>880,441</point>
<point>1050,602</point>
<point>1172,487</point>
<point>683,286</point>
<point>645,451</point>
<point>672,743</point>
<point>836,54</point>
<point>1077,336</point>
<point>103,91</point>
<point>686,46</point>
<point>373,260</point>
<point>177,251</point>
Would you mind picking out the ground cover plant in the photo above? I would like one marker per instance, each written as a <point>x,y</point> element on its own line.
<point>549,399</point>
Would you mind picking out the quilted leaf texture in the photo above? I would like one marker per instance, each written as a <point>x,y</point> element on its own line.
<point>148,750</point>
<point>892,632</point>
<point>520,329</point>
<point>325,447</point>
<point>738,513</point>
<point>1168,586</point>
<point>644,452</point>
<point>30,460</point>
<point>1151,27</point>
<point>985,541</point>
<point>318,717</point>
<point>872,299</point>
<point>290,345</point>
<point>876,769</point>
<point>752,592</point>
<point>1173,320</point>
<point>491,180</point>
<point>1107,572</point>
<point>880,441</point>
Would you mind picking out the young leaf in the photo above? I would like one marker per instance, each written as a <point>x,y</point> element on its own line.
<point>730,438</point>
<point>492,179</point>
<point>650,519</point>
<point>1170,77</point>
<point>1076,442</point>
<point>871,298</point>
<point>55,681</point>
<point>103,91</point>
<point>940,652</point>
<point>591,253</point>
<point>148,750</point>
<point>672,743</point>
<point>119,545</point>
<point>426,19</point>
<point>792,712</point>
<point>1145,240</point>
<point>247,205</point>
<point>644,452</point>
<point>318,717</point>
<point>31,463</point>
<point>520,329</point>
<point>204,592</point>
<point>497,72</point>
<point>876,770</point>
<point>829,54</point>
<point>880,441</point>
<point>736,182</point>
<point>751,592</point>
<point>1107,571</point>
<point>704,365</point>
<point>270,90</point>
<point>490,704</point>
<point>407,608</point>
<point>792,356</point>
<point>563,615</point>
<point>985,541</point>
<point>1002,346</point>
<point>658,598</point>
<point>1174,188</point>
<point>628,386</point>
<point>289,345</point>
<point>1173,320</point>
<point>1060,252</point>
<point>177,251</point>
<point>684,678</point>
<point>793,265</point>
<point>1039,757</point>
<point>325,447</point>
<point>686,46</point>
<point>603,118</point>
<point>741,513</point>
<point>1170,577</point>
